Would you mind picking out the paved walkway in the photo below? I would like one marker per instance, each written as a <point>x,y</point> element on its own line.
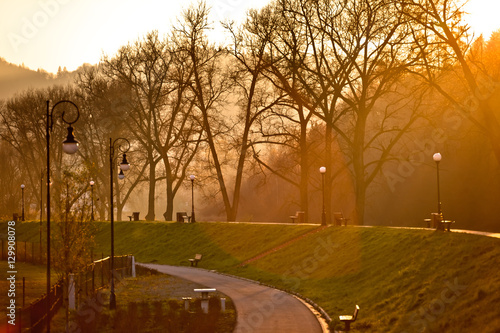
<point>259,309</point>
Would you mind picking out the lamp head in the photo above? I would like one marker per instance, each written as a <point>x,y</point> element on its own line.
<point>70,145</point>
<point>436,157</point>
<point>192,177</point>
<point>121,175</point>
<point>23,186</point>
<point>322,170</point>
<point>92,183</point>
<point>124,165</point>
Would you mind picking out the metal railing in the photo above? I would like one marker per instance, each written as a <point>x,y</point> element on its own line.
<point>91,279</point>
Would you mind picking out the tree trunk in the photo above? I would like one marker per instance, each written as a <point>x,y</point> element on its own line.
<point>329,173</point>
<point>304,171</point>
<point>169,210</point>
<point>150,216</point>
<point>359,166</point>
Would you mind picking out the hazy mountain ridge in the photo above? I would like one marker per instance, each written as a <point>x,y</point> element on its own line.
<point>15,79</point>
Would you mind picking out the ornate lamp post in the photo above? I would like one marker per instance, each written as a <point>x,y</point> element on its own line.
<point>193,219</point>
<point>124,166</point>
<point>437,158</point>
<point>22,201</point>
<point>70,146</point>
<point>322,170</point>
<point>91,200</point>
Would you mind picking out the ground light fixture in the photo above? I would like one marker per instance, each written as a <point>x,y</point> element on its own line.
<point>70,146</point>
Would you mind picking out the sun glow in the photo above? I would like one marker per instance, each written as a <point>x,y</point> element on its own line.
<point>483,16</point>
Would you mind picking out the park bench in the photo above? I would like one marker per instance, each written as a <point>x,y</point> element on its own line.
<point>298,216</point>
<point>446,224</point>
<point>134,216</point>
<point>183,217</point>
<point>437,221</point>
<point>348,319</point>
<point>195,260</point>
<point>339,218</point>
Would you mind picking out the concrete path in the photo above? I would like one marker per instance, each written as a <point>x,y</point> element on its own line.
<point>259,309</point>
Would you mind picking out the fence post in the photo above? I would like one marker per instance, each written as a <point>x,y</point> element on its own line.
<point>71,292</point>
<point>86,280</point>
<point>24,289</point>
<point>133,266</point>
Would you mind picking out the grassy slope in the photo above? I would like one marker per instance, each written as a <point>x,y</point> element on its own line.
<point>403,280</point>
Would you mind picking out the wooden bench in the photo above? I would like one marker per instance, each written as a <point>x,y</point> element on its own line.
<point>446,224</point>
<point>298,215</point>
<point>438,222</point>
<point>348,319</point>
<point>195,260</point>
<point>339,218</point>
<point>183,217</point>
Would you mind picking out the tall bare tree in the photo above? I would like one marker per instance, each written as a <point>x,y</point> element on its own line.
<point>338,59</point>
<point>210,85</point>
<point>108,103</point>
<point>441,34</point>
<point>160,116</point>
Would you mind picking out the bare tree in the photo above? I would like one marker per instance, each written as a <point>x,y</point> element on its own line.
<point>108,102</point>
<point>338,59</point>
<point>256,97</point>
<point>209,86</point>
<point>280,117</point>
<point>23,128</point>
<point>442,36</point>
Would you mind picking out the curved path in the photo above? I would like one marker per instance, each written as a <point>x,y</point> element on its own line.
<point>259,309</point>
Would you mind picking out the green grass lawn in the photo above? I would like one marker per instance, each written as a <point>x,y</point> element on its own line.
<point>403,280</point>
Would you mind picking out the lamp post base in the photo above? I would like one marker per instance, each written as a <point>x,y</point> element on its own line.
<point>112,301</point>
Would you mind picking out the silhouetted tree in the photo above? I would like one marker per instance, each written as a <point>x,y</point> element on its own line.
<point>442,36</point>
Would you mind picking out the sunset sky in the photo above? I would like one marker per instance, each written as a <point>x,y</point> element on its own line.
<point>51,33</point>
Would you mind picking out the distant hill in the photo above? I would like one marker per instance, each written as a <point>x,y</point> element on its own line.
<point>14,79</point>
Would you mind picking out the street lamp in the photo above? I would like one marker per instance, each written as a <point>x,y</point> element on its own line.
<point>70,146</point>
<point>437,158</point>
<point>124,166</point>
<point>22,201</point>
<point>322,170</point>
<point>92,200</point>
<point>42,172</point>
<point>193,219</point>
